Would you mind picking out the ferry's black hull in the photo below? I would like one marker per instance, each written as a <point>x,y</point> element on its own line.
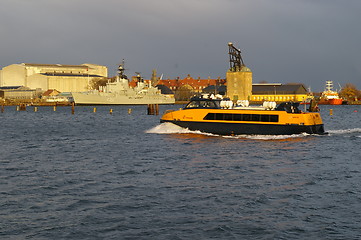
<point>249,129</point>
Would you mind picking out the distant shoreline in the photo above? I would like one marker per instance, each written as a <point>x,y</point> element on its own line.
<point>40,104</point>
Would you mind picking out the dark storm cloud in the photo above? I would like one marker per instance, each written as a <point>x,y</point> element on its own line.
<point>281,40</point>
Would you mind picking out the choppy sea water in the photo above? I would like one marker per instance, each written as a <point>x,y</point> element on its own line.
<point>126,176</point>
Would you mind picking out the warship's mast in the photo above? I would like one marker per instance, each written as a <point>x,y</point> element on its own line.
<point>121,70</point>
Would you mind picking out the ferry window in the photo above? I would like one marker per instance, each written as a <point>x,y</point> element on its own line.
<point>228,117</point>
<point>246,117</point>
<point>210,116</point>
<point>203,104</point>
<point>242,117</point>
<point>237,117</point>
<point>273,118</point>
<point>255,117</point>
<point>193,104</point>
<point>219,116</point>
<point>210,104</point>
<point>265,118</point>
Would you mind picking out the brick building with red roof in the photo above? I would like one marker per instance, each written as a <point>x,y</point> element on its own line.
<point>196,85</point>
<point>183,88</point>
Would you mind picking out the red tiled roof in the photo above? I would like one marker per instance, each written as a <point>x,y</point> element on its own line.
<point>191,81</point>
<point>194,83</point>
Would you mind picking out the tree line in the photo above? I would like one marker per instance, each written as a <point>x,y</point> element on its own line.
<point>350,93</point>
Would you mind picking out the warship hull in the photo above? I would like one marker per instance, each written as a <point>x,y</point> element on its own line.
<point>117,99</point>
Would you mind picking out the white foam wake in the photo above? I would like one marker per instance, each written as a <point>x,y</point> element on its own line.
<point>170,128</point>
<point>269,137</point>
<point>344,131</point>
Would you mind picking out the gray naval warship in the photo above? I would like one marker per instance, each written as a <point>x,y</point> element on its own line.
<point>119,92</point>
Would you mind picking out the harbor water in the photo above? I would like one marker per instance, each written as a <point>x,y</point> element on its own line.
<point>96,175</point>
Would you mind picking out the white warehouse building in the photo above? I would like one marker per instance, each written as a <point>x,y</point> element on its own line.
<point>64,78</point>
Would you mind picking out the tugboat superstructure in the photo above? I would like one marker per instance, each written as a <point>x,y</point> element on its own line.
<point>329,96</point>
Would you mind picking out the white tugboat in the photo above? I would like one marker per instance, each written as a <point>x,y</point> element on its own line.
<point>329,96</point>
<point>120,93</point>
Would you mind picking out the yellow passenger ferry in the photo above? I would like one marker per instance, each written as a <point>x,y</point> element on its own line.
<point>221,117</point>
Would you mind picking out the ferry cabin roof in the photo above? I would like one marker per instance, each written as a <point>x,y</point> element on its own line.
<point>207,103</point>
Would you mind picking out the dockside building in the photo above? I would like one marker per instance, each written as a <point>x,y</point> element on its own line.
<point>278,92</point>
<point>63,78</point>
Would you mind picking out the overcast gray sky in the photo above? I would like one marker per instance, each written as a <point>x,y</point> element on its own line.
<point>286,41</point>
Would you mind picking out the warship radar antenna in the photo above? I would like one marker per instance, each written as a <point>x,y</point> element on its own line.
<point>235,58</point>
<point>121,70</point>
<point>139,77</point>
